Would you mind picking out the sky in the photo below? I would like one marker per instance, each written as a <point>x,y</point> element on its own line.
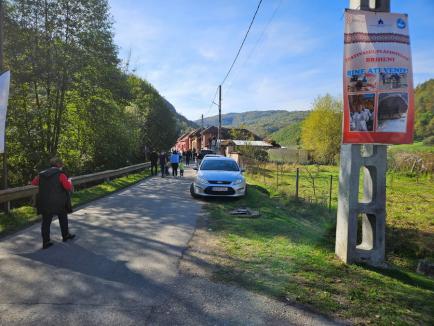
<point>292,55</point>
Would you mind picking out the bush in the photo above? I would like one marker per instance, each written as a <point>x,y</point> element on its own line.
<point>429,141</point>
<point>413,163</point>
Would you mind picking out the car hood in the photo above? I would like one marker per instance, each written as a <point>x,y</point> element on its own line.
<point>220,175</point>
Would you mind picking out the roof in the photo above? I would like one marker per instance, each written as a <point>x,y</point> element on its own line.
<point>257,143</point>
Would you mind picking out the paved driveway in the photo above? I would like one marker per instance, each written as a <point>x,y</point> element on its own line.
<point>123,269</point>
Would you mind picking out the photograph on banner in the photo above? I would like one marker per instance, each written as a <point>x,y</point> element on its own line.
<point>393,81</point>
<point>392,112</point>
<point>365,82</point>
<point>361,112</point>
<point>377,79</point>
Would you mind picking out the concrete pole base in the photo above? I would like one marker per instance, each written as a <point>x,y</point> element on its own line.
<point>370,248</point>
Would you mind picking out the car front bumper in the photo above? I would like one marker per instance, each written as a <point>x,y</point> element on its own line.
<point>210,190</point>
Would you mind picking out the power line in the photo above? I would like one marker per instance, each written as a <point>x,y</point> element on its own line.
<point>259,40</point>
<point>242,43</point>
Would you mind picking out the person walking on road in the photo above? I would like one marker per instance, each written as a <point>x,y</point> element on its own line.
<point>154,161</point>
<point>188,157</point>
<point>162,161</point>
<point>174,161</point>
<point>54,199</point>
<point>181,169</point>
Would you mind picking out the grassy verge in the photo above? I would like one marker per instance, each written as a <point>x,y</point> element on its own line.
<point>288,253</point>
<point>409,205</point>
<point>23,216</point>
<point>412,148</point>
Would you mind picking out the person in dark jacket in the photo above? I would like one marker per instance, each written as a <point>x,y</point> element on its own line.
<point>154,162</point>
<point>54,199</point>
<point>162,160</point>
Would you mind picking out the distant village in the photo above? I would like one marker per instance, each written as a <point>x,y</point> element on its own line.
<point>231,138</point>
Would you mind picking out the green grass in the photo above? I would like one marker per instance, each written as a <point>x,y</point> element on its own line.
<point>288,253</point>
<point>412,148</point>
<point>409,205</point>
<point>21,217</point>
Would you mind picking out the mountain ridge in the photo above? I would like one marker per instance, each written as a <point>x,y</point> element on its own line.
<point>263,123</point>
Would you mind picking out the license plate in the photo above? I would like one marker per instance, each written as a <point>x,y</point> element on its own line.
<point>219,189</point>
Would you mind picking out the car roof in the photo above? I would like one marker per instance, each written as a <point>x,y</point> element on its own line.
<point>213,155</point>
<point>219,157</point>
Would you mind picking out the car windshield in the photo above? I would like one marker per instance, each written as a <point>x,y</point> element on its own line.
<point>219,165</point>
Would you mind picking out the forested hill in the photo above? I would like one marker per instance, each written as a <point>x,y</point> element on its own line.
<point>183,124</point>
<point>72,97</point>
<point>424,107</point>
<point>262,123</point>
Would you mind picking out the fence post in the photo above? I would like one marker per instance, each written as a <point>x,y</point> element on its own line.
<point>296,183</point>
<point>277,176</point>
<point>330,193</point>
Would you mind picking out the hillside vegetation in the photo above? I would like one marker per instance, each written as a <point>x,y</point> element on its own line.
<point>262,123</point>
<point>289,135</point>
<point>71,96</point>
<point>424,106</point>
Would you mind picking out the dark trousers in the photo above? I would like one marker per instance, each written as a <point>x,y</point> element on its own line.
<point>46,223</point>
<point>174,169</point>
<point>163,169</point>
<point>154,168</point>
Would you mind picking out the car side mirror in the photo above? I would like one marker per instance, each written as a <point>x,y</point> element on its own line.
<point>243,170</point>
<point>195,168</point>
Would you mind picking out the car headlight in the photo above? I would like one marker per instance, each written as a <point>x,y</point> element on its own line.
<point>238,181</point>
<point>201,180</point>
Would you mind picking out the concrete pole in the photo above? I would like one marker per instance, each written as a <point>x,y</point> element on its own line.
<point>372,159</point>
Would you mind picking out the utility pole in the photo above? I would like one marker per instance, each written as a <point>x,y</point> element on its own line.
<point>372,159</point>
<point>5,165</point>
<point>202,121</point>
<point>220,118</point>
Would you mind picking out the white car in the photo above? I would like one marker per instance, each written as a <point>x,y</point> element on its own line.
<point>218,176</point>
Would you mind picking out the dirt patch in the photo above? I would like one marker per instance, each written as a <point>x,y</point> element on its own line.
<point>204,254</point>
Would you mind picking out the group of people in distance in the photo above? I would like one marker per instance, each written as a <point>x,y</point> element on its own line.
<point>174,160</point>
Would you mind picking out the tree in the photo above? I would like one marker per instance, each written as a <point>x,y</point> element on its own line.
<point>69,95</point>
<point>424,106</point>
<point>321,130</point>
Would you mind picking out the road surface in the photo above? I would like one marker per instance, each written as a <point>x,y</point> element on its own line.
<point>123,269</point>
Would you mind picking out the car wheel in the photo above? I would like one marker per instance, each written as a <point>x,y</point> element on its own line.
<point>193,194</point>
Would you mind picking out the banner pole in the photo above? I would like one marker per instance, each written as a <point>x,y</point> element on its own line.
<point>372,159</point>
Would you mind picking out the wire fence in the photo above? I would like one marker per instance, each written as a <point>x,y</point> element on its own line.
<point>314,184</point>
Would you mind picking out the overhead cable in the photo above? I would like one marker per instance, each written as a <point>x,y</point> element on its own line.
<point>242,43</point>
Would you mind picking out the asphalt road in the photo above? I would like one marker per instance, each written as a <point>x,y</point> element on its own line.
<point>123,269</point>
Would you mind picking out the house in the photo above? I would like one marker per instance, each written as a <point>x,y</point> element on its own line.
<point>206,138</point>
<point>195,140</point>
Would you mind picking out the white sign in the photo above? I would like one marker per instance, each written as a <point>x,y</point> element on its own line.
<point>4,97</point>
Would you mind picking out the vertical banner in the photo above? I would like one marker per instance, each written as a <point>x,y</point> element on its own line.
<point>4,97</point>
<point>378,79</point>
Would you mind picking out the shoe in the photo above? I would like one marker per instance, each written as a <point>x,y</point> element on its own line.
<point>69,236</point>
<point>47,244</point>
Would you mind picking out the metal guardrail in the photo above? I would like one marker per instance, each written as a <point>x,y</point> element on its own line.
<point>10,194</point>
